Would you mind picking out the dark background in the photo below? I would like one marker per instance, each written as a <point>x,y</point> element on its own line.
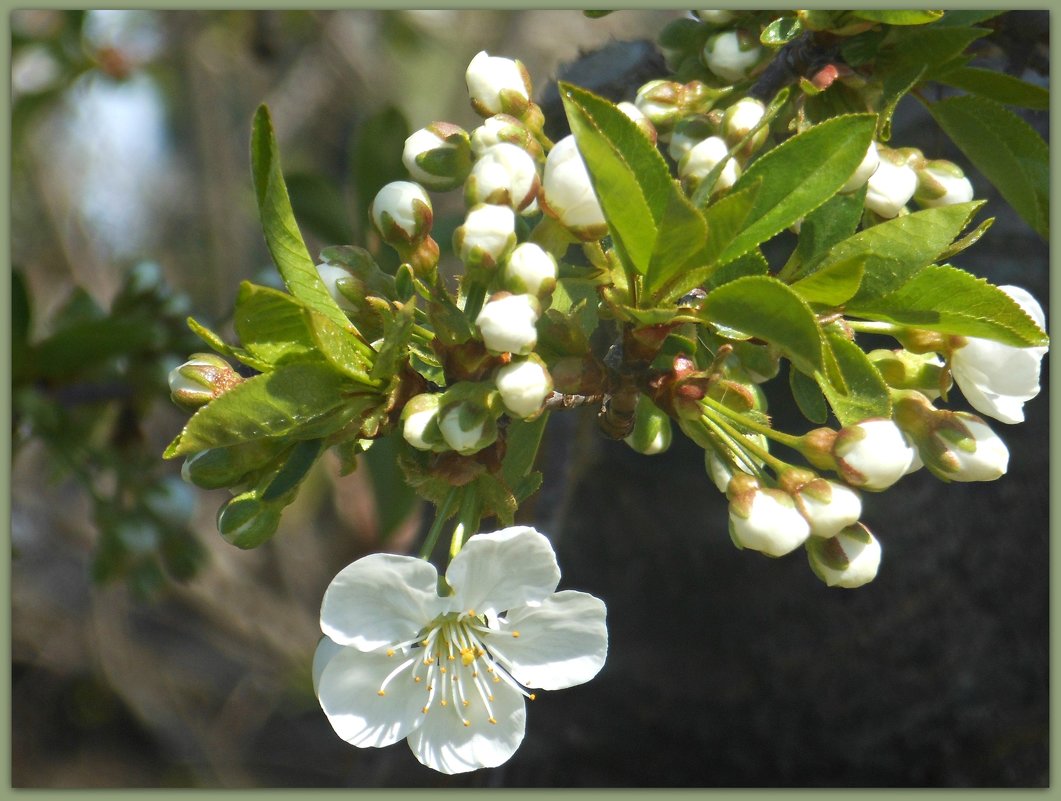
<point>726,668</point>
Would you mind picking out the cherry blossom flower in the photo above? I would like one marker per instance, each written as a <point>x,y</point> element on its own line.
<point>451,673</point>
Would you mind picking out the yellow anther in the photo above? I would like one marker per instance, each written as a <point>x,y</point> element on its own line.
<point>429,661</point>
<point>451,657</point>
<point>475,674</point>
<point>417,679</point>
<point>532,696</point>
<point>489,698</point>
<point>443,702</point>
<point>390,652</point>
<point>467,656</point>
<point>441,669</point>
<point>479,651</point>
<point>424,710</point>
<point>423,643</point>
<point>380,693</point>
<point>471,613</point>
<point>466,702</point>
<point>467,723</point>
<point>515,634</point>
<point>493,720</point>
<point>430,687</point>
<point>496,679</point>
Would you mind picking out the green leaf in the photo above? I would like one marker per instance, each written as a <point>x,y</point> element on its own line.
<point>653,225</point>
<point>899,17</point>
<point>763,307</point>
<point>725,219</point>
<point>521,447</point>
<point>1005,149</point>
<point>998,86</point>
<point>834,284</point>
<point>808,396</point>
<point>88,344</point>
<point>295,468</point>
<point>220,346</point>
<point>340,346</point>
<point>896,249</point>
<point>966,18</point>
<point>927,47</point>
<point>951,301</point>
<point>753,263</point>
<point>278,222</point>
<point>297,400</point>
<point>799,175</point>
<point>577,298</point>
<point>864,393</point>
<point>781,31</point>
<point>832,222</point>
<point>397,331</point>
<point>271,324</point>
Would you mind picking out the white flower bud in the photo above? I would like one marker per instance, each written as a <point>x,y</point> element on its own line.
<point>401,211</point>
<point>873,454</point>
<point>524,386</point>
<point>704,157</point>
<point>643,123</point>
<point>891,185</point>
<point>741,118</point>
<point>487,236</point>
<point>828,507</point>
<point>863,171</point>
<point>504,128</point>
<point>661,103</point>
<point>420,423</point>
<point>567,194</point>
<point>768,521</point>
<point>503,175</point>
<point>689,132</point>
<point>850,559</point>
<point>507,324</point>
<point>942,183</point>
<point>332,276</point>
<point>968,451</point>
<point>438,156</point>
<point>530,270</point>
<point>999,379</point>
<point>495,83</point>
<point>731,54</point>
<point>467,428</point>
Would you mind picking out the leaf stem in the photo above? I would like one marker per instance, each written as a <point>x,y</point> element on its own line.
<point>441,513</point>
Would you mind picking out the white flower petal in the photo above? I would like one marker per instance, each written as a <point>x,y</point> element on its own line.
<point>502,570</point>
<point>348,689</point>
<point>380,599</point>
<point>561,643</point>
<point>326,649</point>
<point>442,741</point>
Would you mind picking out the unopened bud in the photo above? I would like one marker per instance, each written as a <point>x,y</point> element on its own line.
<point>401,214</point>
<point>873,454</point>
<point>850,559</point>
<point>502,175</point>
<point>643,123</point>
<point>863,171</point>
<point>486,237</point>
<point>199,380</point>
<point>942,183</point>
<point>438,156</point>
<point>567,194</point>
<point>828,506</point>
<point>661,103</point>
<point>467,427</point>
<point>690,131</point>
<point>732,54</point>
<point>698,163</point>
<point>420,426</point>
<point>524,385</point>
<point>498,85</point>
<point>507,324</point>
<point>741,119</point>
<point>716,17</point>
<point>531,270</point>
<point>246,521</point>
<point>892,185</point>
<point>765,520</point>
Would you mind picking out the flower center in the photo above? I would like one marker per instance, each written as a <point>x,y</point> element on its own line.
<point>452,662</point>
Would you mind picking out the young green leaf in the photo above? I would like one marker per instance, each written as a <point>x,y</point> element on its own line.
<point>296,400</point>
<point>897,249</point>
<point>835,283</point>
<point>799,175</point>
<point>832,222</point>
<point>946,299</point>
<point>1005,149</point>
<point>341,347</point>
<point>864,393</point>
<point>763,307</point>
<point>231,352</point>
<point>900,17</point>
<point>278,222</point>
<point>271,324</point>
<point>808,396</point>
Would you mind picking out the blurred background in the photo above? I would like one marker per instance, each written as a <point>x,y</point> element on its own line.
<point>147,652</point>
